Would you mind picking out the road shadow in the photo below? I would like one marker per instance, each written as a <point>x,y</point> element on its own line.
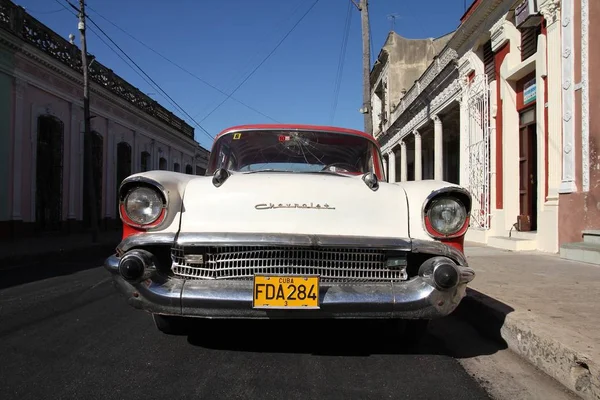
<point>485,314</point>
<point>351,338</point>
<point>54,265</point>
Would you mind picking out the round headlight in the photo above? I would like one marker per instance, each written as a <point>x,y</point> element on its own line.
<point>447,216</point>
<point>143,205</point>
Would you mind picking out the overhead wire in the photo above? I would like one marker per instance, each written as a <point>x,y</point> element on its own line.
<point>181,67</point>
<point>340,67</point>
<point>248,63</point>
<point>143,72</point>
<point>117,54</point>
<point>263,61</point>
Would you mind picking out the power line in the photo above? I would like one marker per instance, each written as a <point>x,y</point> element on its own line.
<point>156,84</point>
<point>180,67</point>
<point>263,61</point>
<point>143,72</point>
<point>340,68</point>
<point>251,61</point>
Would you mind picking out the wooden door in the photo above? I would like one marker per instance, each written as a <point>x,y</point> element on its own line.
<point>527,220</point>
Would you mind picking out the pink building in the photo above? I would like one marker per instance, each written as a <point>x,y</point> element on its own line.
<point>42,180</point>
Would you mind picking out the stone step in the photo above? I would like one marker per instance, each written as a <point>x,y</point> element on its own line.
<point>521,235</point>
<point>581,251</point>
<point>512,243</point>
<point>591,236</point>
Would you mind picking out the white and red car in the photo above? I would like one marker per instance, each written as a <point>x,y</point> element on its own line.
<point>291,221</point>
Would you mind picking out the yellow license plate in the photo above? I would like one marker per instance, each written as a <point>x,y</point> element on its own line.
<point>285,291</point>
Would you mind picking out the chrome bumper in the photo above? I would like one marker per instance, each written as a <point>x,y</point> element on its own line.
<point>417,298</point>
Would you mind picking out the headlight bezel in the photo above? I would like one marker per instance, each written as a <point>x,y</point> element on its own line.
<point>457,194</point>
<point>127,189</point>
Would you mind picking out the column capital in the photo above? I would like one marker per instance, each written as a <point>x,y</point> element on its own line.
<point>20,86</point>
<point>402,143</point>
<point>436,119</point>
<point>550,10</point>
<point>416,133</point>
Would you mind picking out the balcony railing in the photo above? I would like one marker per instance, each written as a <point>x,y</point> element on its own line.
<point>15,20</point>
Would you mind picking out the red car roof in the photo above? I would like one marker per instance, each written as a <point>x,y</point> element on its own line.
<point>296,127</point>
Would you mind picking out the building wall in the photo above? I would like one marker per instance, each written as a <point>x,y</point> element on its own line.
<point>580,208</point>
<point>506,105</point>
<point>5,144</point>
<point>404,60</point>
<point>6,123</point>
<point>32,90</point>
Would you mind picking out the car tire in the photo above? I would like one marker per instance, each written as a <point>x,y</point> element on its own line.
<point>170,325</point>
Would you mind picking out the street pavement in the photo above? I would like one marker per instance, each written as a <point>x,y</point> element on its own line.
<point>70,335</point>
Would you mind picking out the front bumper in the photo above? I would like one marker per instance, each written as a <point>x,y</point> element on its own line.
<point>417,298</point>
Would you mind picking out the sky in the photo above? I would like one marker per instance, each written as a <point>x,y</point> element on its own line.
<point>224,42</point>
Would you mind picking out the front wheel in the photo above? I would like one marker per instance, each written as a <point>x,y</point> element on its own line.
<point>170,325</point>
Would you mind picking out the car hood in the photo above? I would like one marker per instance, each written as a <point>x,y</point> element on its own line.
<point>295,203</point>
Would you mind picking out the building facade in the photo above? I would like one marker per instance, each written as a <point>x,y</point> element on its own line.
<point>579,211</point>
<point>42,166</point>
<point>486,114</point>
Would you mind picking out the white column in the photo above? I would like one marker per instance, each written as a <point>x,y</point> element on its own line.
<point>404,161</point>
<point>552,16</point>
<point>418,157</point>
<point>385,168</point>
<point>73,162</point>
<point>438,149</point>
<point>392,166</point>
<point>568,99</point>
<point>20,87</point>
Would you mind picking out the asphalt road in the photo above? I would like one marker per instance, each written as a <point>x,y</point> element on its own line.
<point>72,336</point>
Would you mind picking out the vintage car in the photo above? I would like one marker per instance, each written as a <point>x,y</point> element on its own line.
<point>291,221</point>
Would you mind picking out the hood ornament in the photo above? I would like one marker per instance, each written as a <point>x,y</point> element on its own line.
<point>370,179</point>
<point>220,176</point>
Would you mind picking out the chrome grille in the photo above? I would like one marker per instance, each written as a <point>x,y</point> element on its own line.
<point>241,263</point>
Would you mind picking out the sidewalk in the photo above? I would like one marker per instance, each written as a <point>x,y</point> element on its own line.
<point>24,251</point>
<point>543,307</point>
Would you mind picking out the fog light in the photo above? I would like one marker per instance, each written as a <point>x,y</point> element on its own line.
<point>137,264</point>
<point>445,276</point>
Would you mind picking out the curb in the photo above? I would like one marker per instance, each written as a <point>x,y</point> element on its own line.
<point>524,334</point>
<point>88,250</point>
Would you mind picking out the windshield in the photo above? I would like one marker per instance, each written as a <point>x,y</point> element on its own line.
<point>295,151</point>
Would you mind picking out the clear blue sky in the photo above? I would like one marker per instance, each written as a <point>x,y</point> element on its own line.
<point>222,41</point>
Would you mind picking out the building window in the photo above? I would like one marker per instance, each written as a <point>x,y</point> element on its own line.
<point>189,170</point>
<point>176,167</point>
<point>488,61</point>
<point>200,170</point>
<point>145,161</point>
<point>162,164</point>
<point>529,41</point>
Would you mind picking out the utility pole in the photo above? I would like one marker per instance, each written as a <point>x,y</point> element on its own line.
<point>363,7</point>
<point>91,193</point>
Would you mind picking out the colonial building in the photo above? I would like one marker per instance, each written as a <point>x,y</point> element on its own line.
<point>486,114</point>
<point>579,210</point>
<point>42,174</point>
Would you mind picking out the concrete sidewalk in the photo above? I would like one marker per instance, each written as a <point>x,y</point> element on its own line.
<point>31,250</point>
<point>543,307</point>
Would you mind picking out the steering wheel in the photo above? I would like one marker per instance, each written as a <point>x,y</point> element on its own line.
<point>346,167</point>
